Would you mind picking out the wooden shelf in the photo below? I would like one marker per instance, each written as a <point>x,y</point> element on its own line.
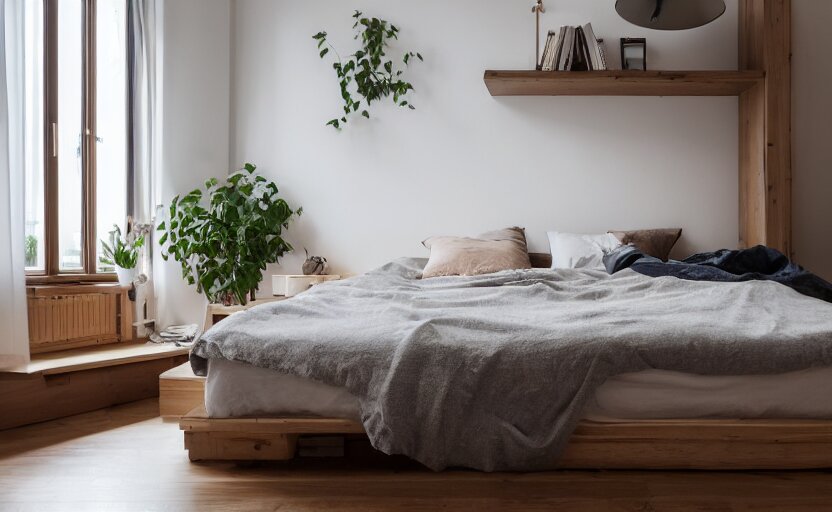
<point>621,83</point>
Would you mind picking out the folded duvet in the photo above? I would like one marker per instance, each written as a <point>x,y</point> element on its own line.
<point>493,372</point>
<point>758,263</point>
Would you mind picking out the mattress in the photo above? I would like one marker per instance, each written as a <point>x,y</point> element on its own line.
<point>236,389</point>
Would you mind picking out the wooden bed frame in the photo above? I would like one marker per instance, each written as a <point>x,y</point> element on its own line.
<point>764,218</point>
<point>659,445</point>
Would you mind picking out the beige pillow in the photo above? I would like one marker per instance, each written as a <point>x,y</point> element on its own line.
<point>652,242</point>
<point>487,253</point>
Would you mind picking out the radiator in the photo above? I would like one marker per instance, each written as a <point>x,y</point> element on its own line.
<point>65,319</point>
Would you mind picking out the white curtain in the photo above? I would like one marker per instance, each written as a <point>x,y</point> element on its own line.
<point>14,330</point>
<point>145,17</point>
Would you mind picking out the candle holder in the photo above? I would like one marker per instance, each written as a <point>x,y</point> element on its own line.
<point>538,8</point>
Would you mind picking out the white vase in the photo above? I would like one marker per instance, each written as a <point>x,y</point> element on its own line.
<point>126,276</point>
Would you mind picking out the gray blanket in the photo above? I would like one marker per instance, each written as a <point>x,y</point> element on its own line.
<point>493,372</point>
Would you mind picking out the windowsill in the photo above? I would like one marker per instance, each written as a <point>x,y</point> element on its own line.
<point>113,354</point>
<point>70,279</point>
<point>52,289</point>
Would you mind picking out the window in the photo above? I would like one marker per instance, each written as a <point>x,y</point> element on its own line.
<point>77,135</point>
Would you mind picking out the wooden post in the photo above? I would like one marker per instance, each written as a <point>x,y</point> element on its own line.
<point>765,169</point>
<point>126,315</point>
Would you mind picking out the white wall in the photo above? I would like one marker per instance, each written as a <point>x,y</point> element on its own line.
<point>812,134</point>
<point>195,126</point>
<point>465,162</point>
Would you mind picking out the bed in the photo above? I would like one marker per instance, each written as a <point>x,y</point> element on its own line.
<point>727,376</point>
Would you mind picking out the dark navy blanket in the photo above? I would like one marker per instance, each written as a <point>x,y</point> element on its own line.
<point>755,264</point>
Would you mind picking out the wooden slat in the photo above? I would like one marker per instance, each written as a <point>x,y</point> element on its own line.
<point>674,444</point>
<point>230,446</point>
<point>778,124</point>
<point>765,172</point>
<point>621,83</point>
<point>198,421</point>
<point>701,445</point>
<point>48,320</point>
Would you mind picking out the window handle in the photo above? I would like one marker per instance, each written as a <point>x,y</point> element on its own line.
<point>54,140</point>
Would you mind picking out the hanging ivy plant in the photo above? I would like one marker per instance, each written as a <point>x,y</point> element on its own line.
<point>367,72</point>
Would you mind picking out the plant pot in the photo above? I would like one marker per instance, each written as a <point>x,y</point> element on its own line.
<point>126,276</point>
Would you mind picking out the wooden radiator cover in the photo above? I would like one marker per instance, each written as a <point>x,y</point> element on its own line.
<point>62,317</point>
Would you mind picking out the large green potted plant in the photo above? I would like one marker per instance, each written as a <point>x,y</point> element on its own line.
<point>225,237</point>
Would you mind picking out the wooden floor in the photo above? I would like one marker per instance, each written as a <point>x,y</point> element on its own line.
<point>127,458</point>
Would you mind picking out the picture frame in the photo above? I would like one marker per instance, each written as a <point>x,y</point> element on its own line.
<point>634,53</point>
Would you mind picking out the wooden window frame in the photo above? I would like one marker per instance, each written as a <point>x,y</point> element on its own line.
<point>52,272</point>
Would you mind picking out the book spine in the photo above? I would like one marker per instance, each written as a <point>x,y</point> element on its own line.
<point>592,46</point>
<point>602,55</point>
<point>547,51</point>
<point>568,47</point>
<point>557,48</point>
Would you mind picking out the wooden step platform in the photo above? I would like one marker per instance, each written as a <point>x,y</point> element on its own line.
<point>180,391</point>
<point>69,382</point>
<point>99,356</point>
<point>668,444</point>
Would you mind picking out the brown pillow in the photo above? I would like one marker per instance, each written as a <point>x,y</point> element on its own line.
<point>487,253</point>
<point>652,242</point>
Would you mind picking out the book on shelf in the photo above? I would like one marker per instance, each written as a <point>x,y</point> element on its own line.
<point>548,48</point>
<point>573,49</point>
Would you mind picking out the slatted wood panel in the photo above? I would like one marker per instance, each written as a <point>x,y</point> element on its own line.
<point>66,320</point>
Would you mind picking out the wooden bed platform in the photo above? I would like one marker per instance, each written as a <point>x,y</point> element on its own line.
<point>668,444</point>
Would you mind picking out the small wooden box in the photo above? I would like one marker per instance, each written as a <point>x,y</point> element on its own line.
<point>291,285</point>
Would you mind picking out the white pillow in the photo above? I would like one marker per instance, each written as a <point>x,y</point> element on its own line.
<point>570,250</point>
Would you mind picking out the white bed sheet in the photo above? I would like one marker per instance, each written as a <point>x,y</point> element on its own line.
<point>236,389</point>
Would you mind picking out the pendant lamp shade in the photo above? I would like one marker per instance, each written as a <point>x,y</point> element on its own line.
<point>670,14</point>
